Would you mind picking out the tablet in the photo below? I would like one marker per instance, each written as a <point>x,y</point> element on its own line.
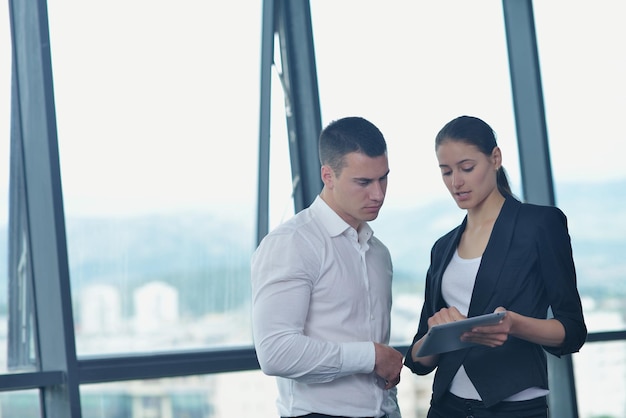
<point>447,337</point>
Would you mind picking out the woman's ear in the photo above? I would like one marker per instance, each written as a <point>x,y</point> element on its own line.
<point>496,157</point>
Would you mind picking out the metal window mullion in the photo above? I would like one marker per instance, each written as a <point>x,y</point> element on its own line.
<point>36,128</point>
<point>299,73</point>
<point>267,59</point>
<point>528,102</point>
<point>537,183</point>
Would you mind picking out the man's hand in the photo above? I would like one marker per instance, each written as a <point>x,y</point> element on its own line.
<point>389,363</point>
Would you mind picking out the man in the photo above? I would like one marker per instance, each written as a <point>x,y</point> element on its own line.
<point>321,285</point>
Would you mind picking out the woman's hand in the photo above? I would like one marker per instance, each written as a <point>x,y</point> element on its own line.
<point>549,332</point>
<point>491,335</point>
<point>445,315</point>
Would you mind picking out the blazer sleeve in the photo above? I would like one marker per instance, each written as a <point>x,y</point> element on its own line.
<point>432,298</point>
<point>414,366</point>
<point>557,268</point>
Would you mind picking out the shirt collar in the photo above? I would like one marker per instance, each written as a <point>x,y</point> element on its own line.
<point>333,223</point>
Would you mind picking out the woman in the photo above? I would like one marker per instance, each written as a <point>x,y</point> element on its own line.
<point>505,256</point>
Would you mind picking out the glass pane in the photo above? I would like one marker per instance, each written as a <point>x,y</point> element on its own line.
<point>409,74</point>
<point>158,141</point>
<point>281,187</point>
<point>23,404</point>
<point>208,396</point>
<point>585,95</point>
<point>215,396</point>
<point>600,373</point>
<point>5,129</point>
<point>414,393</point>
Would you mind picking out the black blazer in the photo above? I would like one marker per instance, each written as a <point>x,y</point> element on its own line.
<point>527,267</point>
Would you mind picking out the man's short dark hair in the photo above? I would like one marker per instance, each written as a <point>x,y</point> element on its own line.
<point>346,135</point>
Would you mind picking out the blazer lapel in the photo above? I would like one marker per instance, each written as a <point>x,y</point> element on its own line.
<point>494,256</point>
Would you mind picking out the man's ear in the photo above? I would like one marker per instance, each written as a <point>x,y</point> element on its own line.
<point>327,175</point>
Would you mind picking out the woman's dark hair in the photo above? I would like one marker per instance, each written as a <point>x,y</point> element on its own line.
<point>346,135</point>
<point>474,131</point>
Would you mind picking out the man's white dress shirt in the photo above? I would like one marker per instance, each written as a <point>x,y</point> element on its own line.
<point>321,296</point>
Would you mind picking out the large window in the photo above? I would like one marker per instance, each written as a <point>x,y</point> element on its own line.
<point>410,67</point>
<point>157,110</point>
<point>585,94</point>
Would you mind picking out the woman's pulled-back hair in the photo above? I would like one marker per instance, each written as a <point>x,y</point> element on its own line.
<point>474,131</point>
<point>346,135</point>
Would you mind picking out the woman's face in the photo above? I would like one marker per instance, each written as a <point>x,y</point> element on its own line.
<point>469,175</point>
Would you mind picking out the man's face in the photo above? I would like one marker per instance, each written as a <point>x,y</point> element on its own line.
<point>358,191</point>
